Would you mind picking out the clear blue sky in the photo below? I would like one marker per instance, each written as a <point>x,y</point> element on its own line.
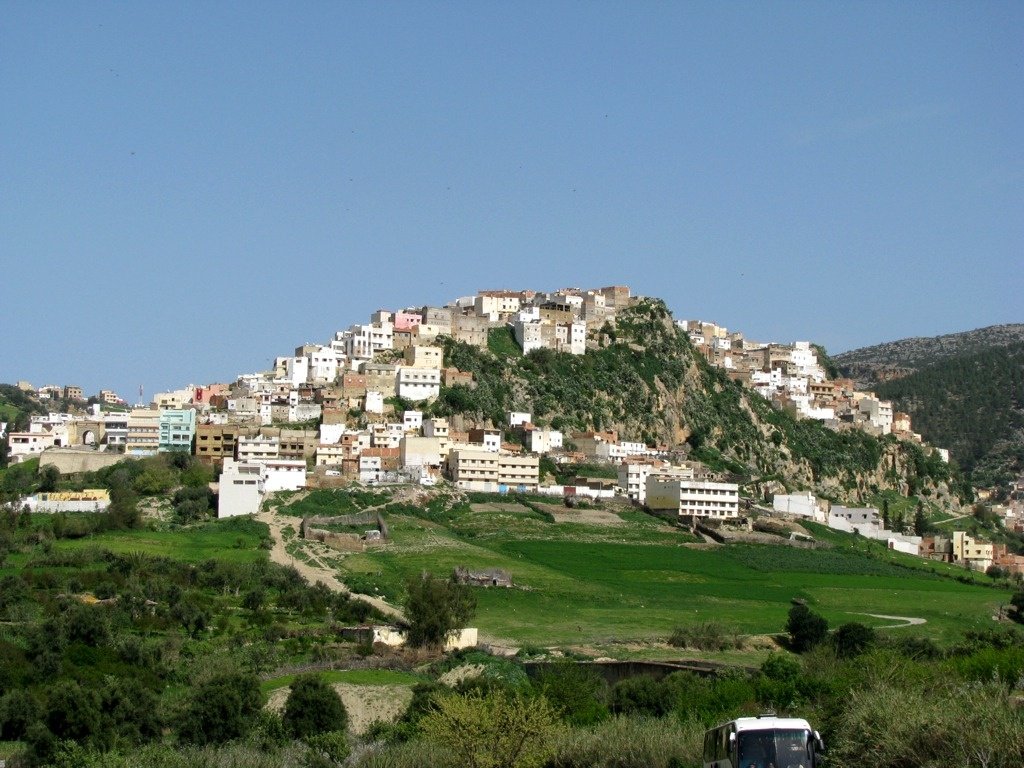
<point>189,189</point>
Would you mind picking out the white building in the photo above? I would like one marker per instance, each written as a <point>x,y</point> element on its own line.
<point>362,342</point>
<point>693,498</point>
<point>412,421</point>
<point>24,445</point>
<point>518,418</point>
<point>374,402</point>
<point>331,433</point>
<point>799,504</point>
<point>256,450</point>
<point>571,337</point>
<point>544,440</point>
<point>633,479</point>
<point>878,412</point>
<point>283,475</point>
<point>528,335</point>
<point>418,384</point>
<point>240,489</point>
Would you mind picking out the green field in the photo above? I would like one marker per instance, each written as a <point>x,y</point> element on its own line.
<point>582,584</point>
<point>352,677</point>
<point>236,540</point>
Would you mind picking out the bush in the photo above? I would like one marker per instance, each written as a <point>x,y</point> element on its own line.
<point>852,639</point>
<point>493,730</point>
<point>806,628</point>
<point>313,707</point>
<point>632,742</point>
<point>578,693</point>
<point>221,709</point>
<point>704,636</point>
<point>326,750</point>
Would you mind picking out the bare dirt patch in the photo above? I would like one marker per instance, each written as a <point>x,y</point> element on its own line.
<point>365,704</point>
<point>584,516</point>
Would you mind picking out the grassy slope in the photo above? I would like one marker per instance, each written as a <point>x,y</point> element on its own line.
<point>230,540</point>
<point>589,584</point>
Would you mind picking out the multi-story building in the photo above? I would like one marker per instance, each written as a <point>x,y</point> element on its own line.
<point>256,450</point>
<point>417,384</point>
<point>971,552</point>
<point>177,428</point>
<point>424,357</point>
<point>143,437</point>
<point>240,489</point>
<point>693,498</point>
<point>25,445</point>
<point>109,397</point>
<point>478,470</point>
<point>217,442</point>
<point>528,334</point>
<point>471,329</point>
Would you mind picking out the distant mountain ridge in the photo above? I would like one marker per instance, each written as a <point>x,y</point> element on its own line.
<point>894,359</point>
<point>964,391</point>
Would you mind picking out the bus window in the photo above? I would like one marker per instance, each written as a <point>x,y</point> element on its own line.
<point>777,748</point>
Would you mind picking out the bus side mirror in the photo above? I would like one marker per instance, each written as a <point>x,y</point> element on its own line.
<point>819,745</point>
<point>732,741</point>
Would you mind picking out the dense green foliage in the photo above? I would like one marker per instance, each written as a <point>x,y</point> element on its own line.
<point>313,707</point>
<point>436,608</point>
<point>973,404</point>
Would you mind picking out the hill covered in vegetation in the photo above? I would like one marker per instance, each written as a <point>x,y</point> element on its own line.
<point>964,392</point>
<point>647,381</point>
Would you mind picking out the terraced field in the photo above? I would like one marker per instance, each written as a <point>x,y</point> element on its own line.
<point>580,584</point>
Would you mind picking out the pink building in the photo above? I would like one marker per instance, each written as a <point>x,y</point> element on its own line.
<point>406,321</point>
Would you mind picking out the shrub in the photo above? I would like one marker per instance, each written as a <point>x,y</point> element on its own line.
<point>221,709</point>
<point>632,742</point>
<point>493,730</point>
<point>578,693</point>
<point>313,707</point>
<point>704,636</point>
<point>806,628</point>
<point>852,639</point>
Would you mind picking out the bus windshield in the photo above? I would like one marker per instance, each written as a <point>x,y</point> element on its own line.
<point>776,748</point>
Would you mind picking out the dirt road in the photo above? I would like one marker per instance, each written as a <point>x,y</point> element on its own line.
<point>314,573</point>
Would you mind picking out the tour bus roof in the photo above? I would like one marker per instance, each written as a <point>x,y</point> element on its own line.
<point>765,722</point>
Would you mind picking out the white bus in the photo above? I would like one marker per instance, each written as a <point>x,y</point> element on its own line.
<point>764,741</point>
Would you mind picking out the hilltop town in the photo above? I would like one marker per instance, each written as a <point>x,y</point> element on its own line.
<point>357,408</point>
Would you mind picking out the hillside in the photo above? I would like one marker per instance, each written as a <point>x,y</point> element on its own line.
<point>896,359</point>
<point>647,381</point>
<point>964,392</point>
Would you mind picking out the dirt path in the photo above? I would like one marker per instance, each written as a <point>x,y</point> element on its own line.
<point>312,574</point>
<point>906,621</point>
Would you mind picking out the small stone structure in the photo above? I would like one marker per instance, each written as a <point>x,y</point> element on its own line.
<point>348,542</point>
<point>492,577</point>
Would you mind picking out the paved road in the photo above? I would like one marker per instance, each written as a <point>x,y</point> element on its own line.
<point>315,573</point>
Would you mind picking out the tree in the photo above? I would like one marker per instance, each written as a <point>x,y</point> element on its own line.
<point>885,514</point>
<point>920,520</point>
<point>852,639</point>
<point>313,707</point>
<point>496,729</point>
<point>1017,606</point>
<point>577,692</point>
<point>49,476</point>
<point>435,609</point>
<point>221,709</point>
<point>806,628</point>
